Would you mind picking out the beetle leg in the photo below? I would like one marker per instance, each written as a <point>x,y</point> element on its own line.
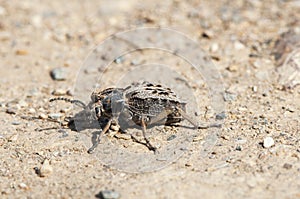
<point>149,145</point>
<point>91,150</point>
<point>162,115</point>
<point>194,123</point>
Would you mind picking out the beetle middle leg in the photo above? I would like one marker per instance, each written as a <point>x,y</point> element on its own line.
<point>144,130</point>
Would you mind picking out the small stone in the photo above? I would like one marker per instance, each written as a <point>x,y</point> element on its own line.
<point>58,74</point>
<point>59,92</point>
<point>241,141</point>
<point>11,110</point>
<point>291,109</point>
<point>43,116</point>
<point>115,128</point>
<point>23,186</point>
<point>287,166</point>
<point>221,116</point>
<point>16,123</point>
<point>4,36</point>
<point>55,116</point>
<point>254,89</point>
<point>31,110</point>
<point>70,92</point>
<point>46,169</point>
<point>172,137</point>
<point>109,194</point>
<point>119,60</point>
<point>198,138</point>
<point>232,68</point>
<point>188,164</point>
<point>13,138</point>
<point>21,52</point>
<point>214,47</point>
<point>2,11</point>
<point>239,148</point>
<point>238,45</point>
<point>255,126</point>
<point>229,97</point>
<point>257,64</point>
<point>23,103</point>
<point>2,140</point>
<point>36,21</point>
<point>268,142</point>
<point>225,137</point>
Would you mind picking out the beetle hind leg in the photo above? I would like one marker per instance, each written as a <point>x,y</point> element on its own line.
<point>194,123</point>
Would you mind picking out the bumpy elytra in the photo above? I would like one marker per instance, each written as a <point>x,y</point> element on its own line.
<point>140,104</point>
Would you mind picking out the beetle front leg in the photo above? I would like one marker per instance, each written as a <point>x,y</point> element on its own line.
<point>91,150</point>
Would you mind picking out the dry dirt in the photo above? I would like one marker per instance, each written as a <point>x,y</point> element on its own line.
<point>38,36</point>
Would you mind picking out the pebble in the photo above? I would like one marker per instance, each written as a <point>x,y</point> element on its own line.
<point>109,194</point>
<point>115,128</point>
<point>59,92</point>
<point>36,21</point>
<point>16,123</point>
<point>4,36</point>
<point>287,166</point>
<point>232,68</point>
<point>21,52</point>
<point>31,110</point>
<point>23,103</point>
<point>214,47</point>
<point>119,60</point>
<point>268,142</point>
<point>70,92</point>
<point>254,89</point>
<point>172,137</point>
<point>198,138</point>
<point>238,45</point>
<point>58,74</point>
<point>229,97</point>
<point>11,110</point>
<point>46,169</point>
<point>221,116</point>
<point>55,116</point>
<point>23,185</point>
<point>43,116</point>
<point>2,140</point>
<point>241,141</point>
<point>13,138</point>
<point>239,148</point>
<point>2,11</point>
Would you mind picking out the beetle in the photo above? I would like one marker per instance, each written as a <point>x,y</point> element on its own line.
<point>141,104</point>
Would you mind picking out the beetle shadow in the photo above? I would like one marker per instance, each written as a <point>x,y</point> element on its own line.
<point>86,120</point>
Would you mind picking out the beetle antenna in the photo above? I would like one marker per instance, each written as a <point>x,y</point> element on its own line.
<point>76,102</point>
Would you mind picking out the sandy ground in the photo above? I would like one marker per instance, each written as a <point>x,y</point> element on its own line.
<point>231,162</point>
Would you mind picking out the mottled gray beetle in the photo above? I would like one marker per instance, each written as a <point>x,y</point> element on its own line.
<point>142,104</point>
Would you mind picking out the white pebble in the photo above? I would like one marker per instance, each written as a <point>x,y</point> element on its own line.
<point>268,142</point>
<point>23,185</point>
<point>2,11</point>
<point>238,45</point>
<point>46,169</point>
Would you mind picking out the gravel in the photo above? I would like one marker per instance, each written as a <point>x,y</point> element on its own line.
<point>268,142</point>
<point>58,74</point>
